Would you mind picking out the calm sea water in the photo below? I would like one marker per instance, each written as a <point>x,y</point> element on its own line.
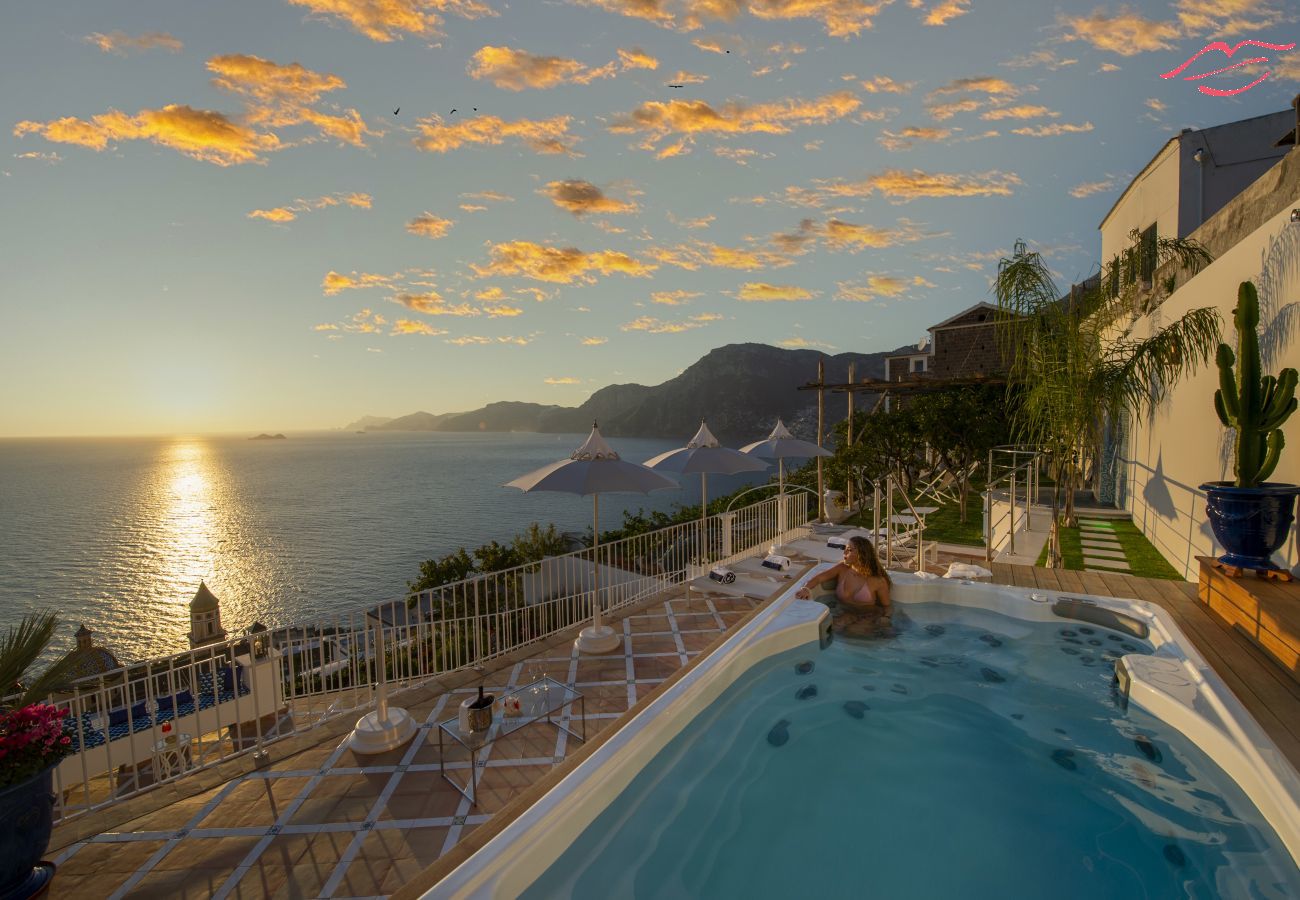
<point>117,533</point>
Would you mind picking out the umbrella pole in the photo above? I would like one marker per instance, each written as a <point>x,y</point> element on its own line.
<point>596,637</point>
<point>780,496</point>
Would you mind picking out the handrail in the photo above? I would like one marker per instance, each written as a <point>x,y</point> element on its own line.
<point>1028,469</point>
<point>241,694</point>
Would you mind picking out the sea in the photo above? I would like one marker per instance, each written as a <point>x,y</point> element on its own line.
<point>117,533</point>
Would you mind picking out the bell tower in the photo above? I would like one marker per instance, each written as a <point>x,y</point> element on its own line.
<point>205,618</point>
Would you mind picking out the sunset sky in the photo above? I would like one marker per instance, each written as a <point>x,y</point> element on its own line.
<point>265,216</point>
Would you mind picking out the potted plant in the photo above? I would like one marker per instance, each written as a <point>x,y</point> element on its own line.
<point>1251,517</point>
<point>33,739</point>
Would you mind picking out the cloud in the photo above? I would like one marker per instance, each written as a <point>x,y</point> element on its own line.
<point>657,120</point>
<point>1023,111</point>
<point>279,215</point>
<point>883,84</point>
<point>1054,129</point>
<point>674,298</point>
<point>876,286</point>
<point>1088,188</point>
<point>799,343</point>
<point>761,291</point>
<point>1155,104</point>
<point>197,133</point>
<point>559,265</point>
<point>945,11</point>
<point>365,321</point>
<point>428,225</point>
<point>544,136</point>
<point>684,77</point>
<point>901,186</point>
<point>334,282</point>
<point>279,96</point>
<point>122,44</point>
<point>411,326</point>
<point>594,341</point>
<point>841,235</point>
<point>840,18</point>
<point>652,325</point>
<point>582,197</point>
<point>489,197</point>
<point>562,380</point>
<point>636,58</point>
<point>1044,58</point>
<point>1228,18</point>
<point>941,112</point>
<point>700,254</point>
<point>390,20</point>
<point>979,84</point>
<point>692,224</point>
<point>290,211</point>
<point>51,158</point>
<point>431,303</point>
<point>1108,67</point>
<point>1126,33</point>
<point>907,137</point>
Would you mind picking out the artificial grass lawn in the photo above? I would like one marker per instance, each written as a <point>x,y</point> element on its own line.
<point>1144,560</point>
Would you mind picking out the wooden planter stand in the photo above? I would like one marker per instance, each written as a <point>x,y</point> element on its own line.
<point>1265,610</point>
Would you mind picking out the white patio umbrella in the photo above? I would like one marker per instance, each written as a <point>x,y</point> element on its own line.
<point>594,468</point>
<point>703,455</point>
<point>781,445</point>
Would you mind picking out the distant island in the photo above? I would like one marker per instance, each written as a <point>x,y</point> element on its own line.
<point>268,437</point>
<point>740,389</point>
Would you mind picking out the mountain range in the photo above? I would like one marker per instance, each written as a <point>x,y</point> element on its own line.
<point>740,389</point>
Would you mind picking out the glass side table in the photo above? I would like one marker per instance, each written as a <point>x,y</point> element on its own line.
<point>172,758</point>
<point>539,700</point>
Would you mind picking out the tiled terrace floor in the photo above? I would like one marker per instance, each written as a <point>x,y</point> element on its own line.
<point>325,823</point>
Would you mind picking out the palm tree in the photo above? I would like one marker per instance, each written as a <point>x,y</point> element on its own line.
<point>20,649</point>
<point>1078,362</point>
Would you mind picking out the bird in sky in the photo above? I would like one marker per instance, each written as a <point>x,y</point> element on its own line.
<point>676,85</point>
<point>396,111</point>
<point>452,113</point>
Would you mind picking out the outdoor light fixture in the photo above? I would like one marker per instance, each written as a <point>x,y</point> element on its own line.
<point>1295,215</point>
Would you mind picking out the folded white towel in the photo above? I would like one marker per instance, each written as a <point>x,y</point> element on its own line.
<point>780,563</point>
<point>966,570</point>
<point>722,574</point>
<point>839,542</point>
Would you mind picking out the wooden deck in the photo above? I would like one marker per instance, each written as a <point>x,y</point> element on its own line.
<point>1267,690</point>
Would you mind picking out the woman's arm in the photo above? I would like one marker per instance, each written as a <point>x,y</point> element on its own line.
<point>882,595</point>
<point>811,583</point>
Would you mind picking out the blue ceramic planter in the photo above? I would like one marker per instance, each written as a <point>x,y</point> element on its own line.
<point>26,820</point>
<point>1250,523</point>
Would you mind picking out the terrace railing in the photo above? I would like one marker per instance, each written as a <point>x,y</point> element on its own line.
<point>160,720</point>
<point>1009,496</point>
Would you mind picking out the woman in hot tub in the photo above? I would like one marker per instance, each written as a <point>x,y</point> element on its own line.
<point>861,586</point>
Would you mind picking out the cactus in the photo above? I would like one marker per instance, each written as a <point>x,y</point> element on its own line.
<point>1256,405</point>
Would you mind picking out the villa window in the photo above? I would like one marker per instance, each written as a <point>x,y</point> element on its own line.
<point>1147,253</point>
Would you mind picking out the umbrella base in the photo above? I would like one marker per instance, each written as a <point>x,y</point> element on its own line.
<point>598,639</point>
<point>375,735</point>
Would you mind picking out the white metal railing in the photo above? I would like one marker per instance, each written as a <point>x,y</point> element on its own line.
<point>1009,496</point>
<point>157,721</point>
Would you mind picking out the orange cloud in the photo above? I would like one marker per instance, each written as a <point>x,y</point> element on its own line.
<point>799,343</point>
<point>674,298</point>
<point>335,282</point>
<point>559,265</point>
<point>428,225</point>
<point>1045,58</point>
<point>763,292</point>
<point>657,120</point>
<point>542,135</point>
<point>1228,18</point>
<point>878,286</point>
<point>411,326</point>
<point>594,341</point>
<point>684,77</point>
<point>1088,188</point>
<point>563,380</point>
<point>636,58</point>
<point>698,254</point>
<point>468,340</point>
<point>840,18</point>
<point>122,44</point>
<point>883,84</point>
<point>278,96</point>
<point>582,197</point>
<point>1023,111</point>
<point>980,84</point>
<point>1054,129</point>
<point>517,70</point>
<point>390,20</point>
<point>901,186</point>
<point>289,212</point>
<point>1126,33</point>
<point>906,138</point>
<point>652,325</point>
<point>431,303</point>
<point>941,112</point>
<point>945,11</point>
<point>198,133</point>
<point>841,235</point>
<point>278,215</point>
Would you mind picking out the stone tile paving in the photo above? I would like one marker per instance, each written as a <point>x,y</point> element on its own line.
<point>1102,551</point>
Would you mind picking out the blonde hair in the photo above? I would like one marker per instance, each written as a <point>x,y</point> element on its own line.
<point>867,559</point>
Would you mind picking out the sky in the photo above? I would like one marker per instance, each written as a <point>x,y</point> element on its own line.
<point>284,215</point>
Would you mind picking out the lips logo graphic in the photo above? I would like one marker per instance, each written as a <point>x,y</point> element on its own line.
<point>1223,48</point>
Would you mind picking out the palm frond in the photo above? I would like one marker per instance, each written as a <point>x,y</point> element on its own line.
<point>21,647</point>
<point>1139,374</point>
